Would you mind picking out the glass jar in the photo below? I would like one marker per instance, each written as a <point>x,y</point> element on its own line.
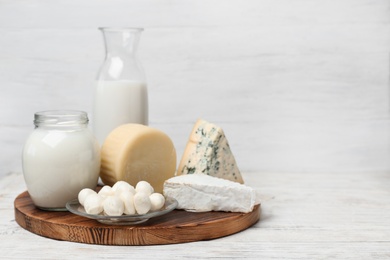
<point>121,94</point>
<point>60,158</point>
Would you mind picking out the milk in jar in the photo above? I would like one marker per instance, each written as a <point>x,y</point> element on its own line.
<point>60,158</point>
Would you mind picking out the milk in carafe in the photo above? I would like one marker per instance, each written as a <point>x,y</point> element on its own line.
<point>117,103</point>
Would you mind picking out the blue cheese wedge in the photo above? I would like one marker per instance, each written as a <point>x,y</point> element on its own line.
<point>208,152</point>
<point>202,193</point>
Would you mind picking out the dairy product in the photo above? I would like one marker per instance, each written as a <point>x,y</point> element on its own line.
<point>142,203</point>
<point>120,199</point>
<point>144,186</point>
<point>208,152</point>
<point>122,186</point>
<point>157,201</point>
<point>113,206</point>
<point>128,201</point>
<point>117,103</point>
<point>134,153</point>
<point>58,164</point>
<point>84,193</point>
<point>201,193</point>
<point>93,204</point>
<point>106,191</point>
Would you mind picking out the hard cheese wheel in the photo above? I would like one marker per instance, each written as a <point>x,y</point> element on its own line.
<point>134,152</point>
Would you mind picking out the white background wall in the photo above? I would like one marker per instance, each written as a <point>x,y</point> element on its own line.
<point>297,85</point>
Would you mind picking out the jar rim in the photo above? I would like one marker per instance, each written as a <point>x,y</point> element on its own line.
<point>60,117</point>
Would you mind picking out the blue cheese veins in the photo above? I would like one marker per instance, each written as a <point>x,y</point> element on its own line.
<point>208,152</point>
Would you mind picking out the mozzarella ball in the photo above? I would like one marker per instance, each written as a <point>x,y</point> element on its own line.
<point>113,206</point>
<point>93,204</point>
<point>142,202</point>
<point>121,186</point>
<point>128,200</point>
<point>106,191</point>
<point>83,194</point>
<point>157,201</point>
<point>145,187</point>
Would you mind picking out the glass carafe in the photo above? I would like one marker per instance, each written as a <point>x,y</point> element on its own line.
<point>121,94</point>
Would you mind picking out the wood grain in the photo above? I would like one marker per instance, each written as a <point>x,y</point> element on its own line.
<point>175,227</point>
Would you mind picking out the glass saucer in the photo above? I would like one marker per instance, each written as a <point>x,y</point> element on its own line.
<point>76,208</point>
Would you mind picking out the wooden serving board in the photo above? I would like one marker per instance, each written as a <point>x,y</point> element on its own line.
<point>178,226</point>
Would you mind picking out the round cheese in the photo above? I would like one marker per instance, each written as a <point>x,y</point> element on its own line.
<point>134,152</point>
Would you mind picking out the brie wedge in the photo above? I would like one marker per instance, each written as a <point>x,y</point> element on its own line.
<point>201,193</point>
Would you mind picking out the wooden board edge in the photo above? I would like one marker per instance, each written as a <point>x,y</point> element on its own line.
<point>108,235</point>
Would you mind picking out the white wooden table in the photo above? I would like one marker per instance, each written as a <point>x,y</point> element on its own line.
<point>304,216</point>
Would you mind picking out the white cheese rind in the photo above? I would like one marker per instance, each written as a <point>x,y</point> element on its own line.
<point>208,152</point>
<point>201,193</point>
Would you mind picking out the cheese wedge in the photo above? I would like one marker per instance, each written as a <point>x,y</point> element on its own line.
<point>134,152</point>
<point>201,193</point>
<point>208,152</point>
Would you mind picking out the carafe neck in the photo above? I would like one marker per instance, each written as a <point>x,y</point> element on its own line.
<point>121,41</point>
